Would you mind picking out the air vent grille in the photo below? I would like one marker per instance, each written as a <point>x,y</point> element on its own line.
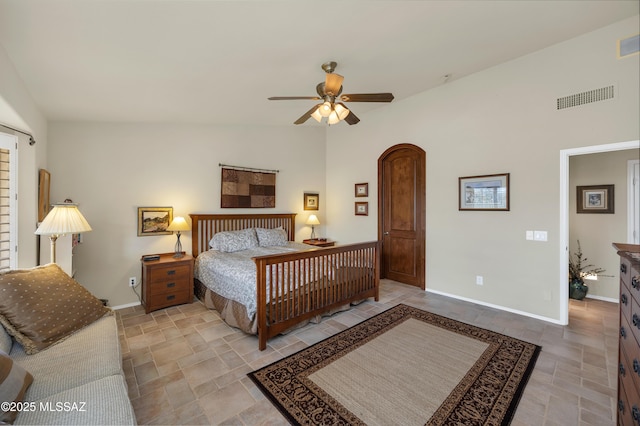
<point>588,97</point>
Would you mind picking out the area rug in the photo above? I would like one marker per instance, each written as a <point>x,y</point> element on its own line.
<point>404,366</point>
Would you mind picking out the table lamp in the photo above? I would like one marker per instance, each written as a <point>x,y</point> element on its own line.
<point>313,220</point>
<point>178,224</point>
<point>64,218</point>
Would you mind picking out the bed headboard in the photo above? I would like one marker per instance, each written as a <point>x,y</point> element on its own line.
<point>204,226</point>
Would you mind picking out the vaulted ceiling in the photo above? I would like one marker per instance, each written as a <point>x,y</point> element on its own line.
<point>206,61</point>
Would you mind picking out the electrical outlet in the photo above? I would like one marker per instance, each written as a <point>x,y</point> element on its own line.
<point>133,281</point>
<point>479,280</point>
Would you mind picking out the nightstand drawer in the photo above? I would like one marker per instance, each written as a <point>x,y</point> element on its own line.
<point>169,299</point>
<point>169,273</point>
<point>168,286</point>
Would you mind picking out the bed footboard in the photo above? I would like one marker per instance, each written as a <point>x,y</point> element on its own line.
<point>293,287</point>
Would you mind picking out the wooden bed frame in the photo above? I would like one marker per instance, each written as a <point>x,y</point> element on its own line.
<point>290,302</point>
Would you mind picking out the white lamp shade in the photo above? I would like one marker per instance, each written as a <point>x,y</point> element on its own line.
<point>325,109</point>
<point>179,224</point>
<point>63,219</point>
<point>333,118</point>
<point>316,114</point>
<point>313,220</point>
<point>342,111</point>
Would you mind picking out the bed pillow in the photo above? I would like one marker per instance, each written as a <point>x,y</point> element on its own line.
<point>271,237</point>
<point>6,342</point>
<point>230,241</point>
<point>14,381</point>
<point>43,305</point>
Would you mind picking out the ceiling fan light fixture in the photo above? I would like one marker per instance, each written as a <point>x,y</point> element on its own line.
<point>316,114</point>
<point>333,118</point>
<point>341,110</point>
<point>325,109</point>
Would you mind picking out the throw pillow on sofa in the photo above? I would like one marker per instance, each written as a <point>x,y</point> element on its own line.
<point>14,381</point>
<point>43,305</point>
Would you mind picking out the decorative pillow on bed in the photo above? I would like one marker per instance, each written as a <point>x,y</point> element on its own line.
<point>14,381</point>
<point>272,237</point>
<point>43,305</point>
<point>230,241</point>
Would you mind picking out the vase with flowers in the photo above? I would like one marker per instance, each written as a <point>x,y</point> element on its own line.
<point>577,272</point>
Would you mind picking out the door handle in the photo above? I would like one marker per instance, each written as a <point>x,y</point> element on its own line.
<point>386,233</point>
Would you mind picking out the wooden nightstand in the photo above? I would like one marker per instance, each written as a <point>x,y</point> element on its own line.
<point>320,243</point>
<point>166,282</point>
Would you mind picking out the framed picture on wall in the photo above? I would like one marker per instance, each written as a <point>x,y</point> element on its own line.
<point>487,192</point>
<point>311,201</point>
<point>362,208</point>
<point>595,199</point>
<point>362,189</point>
<point>154,220</point>
<point>44,185</point>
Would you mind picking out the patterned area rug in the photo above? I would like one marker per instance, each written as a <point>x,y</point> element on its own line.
<point>403,366</point>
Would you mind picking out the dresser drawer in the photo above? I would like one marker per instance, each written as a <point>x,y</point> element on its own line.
<point>159,301</point>
<point>629,370</point>
<point>624,410</point>
<point>627,338</point>
<point>634,322</point>
<point>169,273</point>
<point>625,301</point>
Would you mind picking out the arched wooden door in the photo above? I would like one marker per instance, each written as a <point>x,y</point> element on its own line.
<point>401,213</point>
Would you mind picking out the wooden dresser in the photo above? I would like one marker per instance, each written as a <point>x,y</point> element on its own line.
<point>629,338</point>
<point>166,282</point>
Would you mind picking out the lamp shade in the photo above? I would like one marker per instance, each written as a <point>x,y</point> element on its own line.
<point>325,109</point>
<point>313,220</point>
<point>179,224</point>
<point>316,114</point>
<point>341,110</point>
<point>63,219</point>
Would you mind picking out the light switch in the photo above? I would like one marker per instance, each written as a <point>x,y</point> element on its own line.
<point>529,235</point>
<point>540,235</point>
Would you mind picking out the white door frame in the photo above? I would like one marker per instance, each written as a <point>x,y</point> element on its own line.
<point>564,213</point>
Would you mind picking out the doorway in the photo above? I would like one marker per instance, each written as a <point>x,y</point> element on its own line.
<point>402,213</point>
<point>564,214</point>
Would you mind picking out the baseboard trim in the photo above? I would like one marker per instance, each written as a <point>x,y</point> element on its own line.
<point>128,305</point>
<point>604,299</point>
<point>501,308</point>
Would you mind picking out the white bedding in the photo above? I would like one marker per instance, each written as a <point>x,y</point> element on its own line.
<point>233,275</point>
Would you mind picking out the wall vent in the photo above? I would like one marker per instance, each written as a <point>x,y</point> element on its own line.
<point>588,97</point>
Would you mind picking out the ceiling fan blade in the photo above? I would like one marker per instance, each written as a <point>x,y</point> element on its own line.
<point>306,115</point>
<point>333,83</point>
<point>367,97</point>
<point>289,98</point>
<point>351,118</point>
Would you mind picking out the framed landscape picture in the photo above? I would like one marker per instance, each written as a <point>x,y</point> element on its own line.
<point>487,192</point>
<point>154,220</point>
<point>595,199</point>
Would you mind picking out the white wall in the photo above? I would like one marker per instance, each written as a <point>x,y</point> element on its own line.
<point>18,110</point>
<point>503,119</point>
<point>112,169</point>
<point>596,232</point>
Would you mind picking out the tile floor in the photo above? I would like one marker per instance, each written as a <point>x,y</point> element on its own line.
<point>184,365</point>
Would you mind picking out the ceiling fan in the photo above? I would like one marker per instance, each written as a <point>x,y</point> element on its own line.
<point>328,92</point>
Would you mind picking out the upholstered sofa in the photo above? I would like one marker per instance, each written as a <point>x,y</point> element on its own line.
<point>71,372</point>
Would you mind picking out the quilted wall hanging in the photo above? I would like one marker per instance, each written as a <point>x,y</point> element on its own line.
<point>242,188</point>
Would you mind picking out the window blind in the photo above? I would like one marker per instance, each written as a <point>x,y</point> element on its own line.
<point>5,209</point>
